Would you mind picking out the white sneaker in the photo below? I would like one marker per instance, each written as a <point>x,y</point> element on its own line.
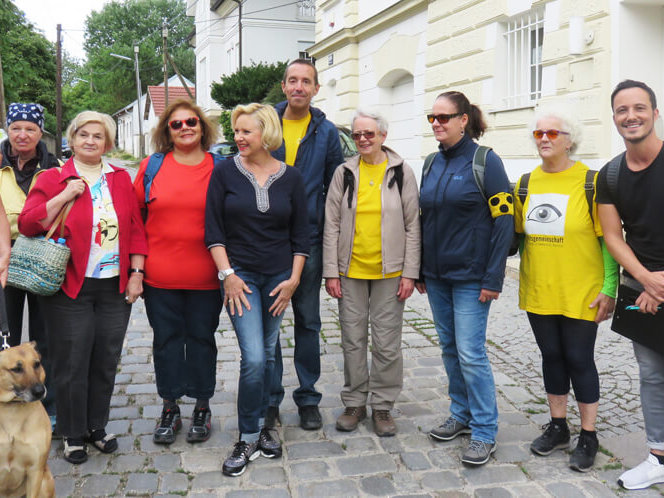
<point>645,474</point>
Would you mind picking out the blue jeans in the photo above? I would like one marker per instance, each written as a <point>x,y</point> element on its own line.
<point>651,375</point>
<point>257,334</point>
<point>460,320</point>
<point>184,351</point>
<point>306,308</point>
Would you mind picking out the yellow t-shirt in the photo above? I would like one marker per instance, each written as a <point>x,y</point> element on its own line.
<point>561,269</point>
<point>294,131</point>
<point>367,258</point>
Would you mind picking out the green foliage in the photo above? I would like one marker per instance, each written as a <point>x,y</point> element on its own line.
<point>116,28</point>
<point>227,128</point>
<point>251,84</point>
<point>28,61</point>
<point>275,94</point>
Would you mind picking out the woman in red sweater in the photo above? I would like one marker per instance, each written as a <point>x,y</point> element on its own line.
<point>87,319</point>
<point>182,296</point>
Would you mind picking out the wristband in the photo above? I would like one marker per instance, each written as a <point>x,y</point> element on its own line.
<point>136,270</point>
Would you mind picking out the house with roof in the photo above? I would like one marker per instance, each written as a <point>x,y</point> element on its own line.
<point>231,34</point>
<point>150,109</point>
<point>509,57</point>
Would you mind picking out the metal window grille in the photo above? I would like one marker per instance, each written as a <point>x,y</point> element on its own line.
<point>523,38</point>
<point>306,8</point>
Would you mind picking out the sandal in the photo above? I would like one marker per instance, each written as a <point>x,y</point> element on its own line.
<point>106,443</point>
<point>75,451</point>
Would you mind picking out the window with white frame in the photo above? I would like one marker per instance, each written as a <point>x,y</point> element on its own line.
<point>523,37</point>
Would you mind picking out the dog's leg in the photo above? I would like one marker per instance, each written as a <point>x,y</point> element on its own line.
<point>34,486</point>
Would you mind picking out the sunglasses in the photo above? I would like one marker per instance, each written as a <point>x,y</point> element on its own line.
<point>191,122</point>
<point>359,134</point>
<point>442,118</point>
<point>552,134</point>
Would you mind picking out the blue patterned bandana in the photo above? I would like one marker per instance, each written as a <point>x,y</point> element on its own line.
<point>33,113</point>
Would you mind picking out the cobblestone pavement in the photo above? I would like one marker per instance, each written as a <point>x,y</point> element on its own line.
<point>332,463</point>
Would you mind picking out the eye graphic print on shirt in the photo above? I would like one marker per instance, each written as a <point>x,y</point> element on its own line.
<point>545,218</point>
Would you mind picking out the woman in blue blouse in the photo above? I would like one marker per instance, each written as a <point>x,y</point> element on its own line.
<point>466,234</point>
<point>256,230</point>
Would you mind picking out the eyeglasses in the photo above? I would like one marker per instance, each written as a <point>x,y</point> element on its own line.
<point>442,118</point>
<point>359,134</point>
<point>551,134</point>
<point>191,122</point>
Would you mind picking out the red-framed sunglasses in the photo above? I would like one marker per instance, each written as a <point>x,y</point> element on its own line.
<point>191,122</point>
<point>359,134</point>
<point>552,134</point>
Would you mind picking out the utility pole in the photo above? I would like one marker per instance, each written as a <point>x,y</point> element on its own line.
<point>239,32</point>
<point>3,118</point>
<point>141,140</point>
<point>164,32</point>
<point>184,84</point>
<point>58,93</point>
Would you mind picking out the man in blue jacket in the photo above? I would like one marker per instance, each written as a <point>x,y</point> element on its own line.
<point>311,144</point>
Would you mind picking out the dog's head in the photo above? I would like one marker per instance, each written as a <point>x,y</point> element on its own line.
<point>21,374</point>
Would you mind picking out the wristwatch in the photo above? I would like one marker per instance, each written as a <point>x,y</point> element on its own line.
<point>224,274</point>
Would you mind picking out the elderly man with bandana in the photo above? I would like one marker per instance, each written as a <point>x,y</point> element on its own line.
<point>24,157</point>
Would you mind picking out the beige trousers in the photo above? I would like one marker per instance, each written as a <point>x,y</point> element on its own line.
<point>372,302</point>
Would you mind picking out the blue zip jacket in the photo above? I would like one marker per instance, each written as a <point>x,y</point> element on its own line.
<point>318,156</point>
<point>460,239</point>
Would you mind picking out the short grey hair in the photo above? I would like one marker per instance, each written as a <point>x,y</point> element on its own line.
<point>569,123</point>
<point>381,122</point>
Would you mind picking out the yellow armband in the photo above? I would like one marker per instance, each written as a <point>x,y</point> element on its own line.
<point>501,204</point>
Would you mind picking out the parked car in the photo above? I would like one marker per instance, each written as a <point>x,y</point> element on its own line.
<point>348,146</point>
<point>224,149</point>
<point>66,150</point>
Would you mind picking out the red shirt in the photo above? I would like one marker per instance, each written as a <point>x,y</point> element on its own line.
<point>78,226</point>
<point>175,226</point>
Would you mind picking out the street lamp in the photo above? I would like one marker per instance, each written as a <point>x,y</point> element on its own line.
<point>141,140</point>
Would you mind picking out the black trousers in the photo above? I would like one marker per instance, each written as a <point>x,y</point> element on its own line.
<point>85,338</point>
<point>15,301</point>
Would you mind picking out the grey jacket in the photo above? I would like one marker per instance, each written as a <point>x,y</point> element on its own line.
<point>400,221</point>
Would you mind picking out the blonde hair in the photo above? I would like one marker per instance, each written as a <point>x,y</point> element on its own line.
<point>161,136</point>
<point>268,121</point>
<point>87,117</point>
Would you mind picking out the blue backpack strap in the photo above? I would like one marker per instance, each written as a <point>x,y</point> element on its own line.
<point>217,159</point>
<point>479,166</point>
<point>154,163</point>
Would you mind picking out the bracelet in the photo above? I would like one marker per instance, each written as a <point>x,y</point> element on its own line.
<point>136,270</point>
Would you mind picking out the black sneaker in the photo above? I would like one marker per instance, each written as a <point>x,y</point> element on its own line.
<point>554,437</point>
<point>242,454</point>
<point>272,417</point>
<point>310,419</point>
<point>168,426</point>
<point>200,425</point>
<point>583,456</point>
<point>270,447</point>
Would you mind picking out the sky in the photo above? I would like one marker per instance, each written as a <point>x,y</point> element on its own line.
<point>47,14</point>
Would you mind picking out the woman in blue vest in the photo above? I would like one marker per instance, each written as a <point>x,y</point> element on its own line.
<point>466,234</point>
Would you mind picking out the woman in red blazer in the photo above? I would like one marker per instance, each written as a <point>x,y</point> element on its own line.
<point>87,319</point>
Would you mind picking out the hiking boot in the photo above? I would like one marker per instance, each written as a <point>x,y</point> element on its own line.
<point>269,446</point>
<point>555,437</point>
<point>351,417</point>
<point>478,452</point>
<point>242,454</point>
<point>201,425</point>
<point>583,456</point>
<point>644,475</point>
<point>310,419</point>
<point>383,423</point>
<point>272,417</point>
<point>168,426</point>
<point>450,429</point>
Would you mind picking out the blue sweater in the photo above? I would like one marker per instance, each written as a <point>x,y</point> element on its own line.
<point>460,239</point>
<point>261,228</point>
<point>318,156</point>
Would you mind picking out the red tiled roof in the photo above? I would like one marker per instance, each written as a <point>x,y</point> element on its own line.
<point>157,96</point>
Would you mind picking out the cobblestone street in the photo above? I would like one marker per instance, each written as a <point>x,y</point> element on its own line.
<point>332,463</point>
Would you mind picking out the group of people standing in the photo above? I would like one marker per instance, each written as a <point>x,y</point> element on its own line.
<point>258,231</point>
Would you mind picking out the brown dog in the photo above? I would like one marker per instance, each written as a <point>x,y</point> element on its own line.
<point>25,429</point>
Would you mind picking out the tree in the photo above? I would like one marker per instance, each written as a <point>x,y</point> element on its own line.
<point>255,83</point>
<point>116,28</point>
<point>28,62</point>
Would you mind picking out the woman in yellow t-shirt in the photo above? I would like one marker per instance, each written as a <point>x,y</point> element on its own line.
<point>371,258</point>
<point>567,281</point>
